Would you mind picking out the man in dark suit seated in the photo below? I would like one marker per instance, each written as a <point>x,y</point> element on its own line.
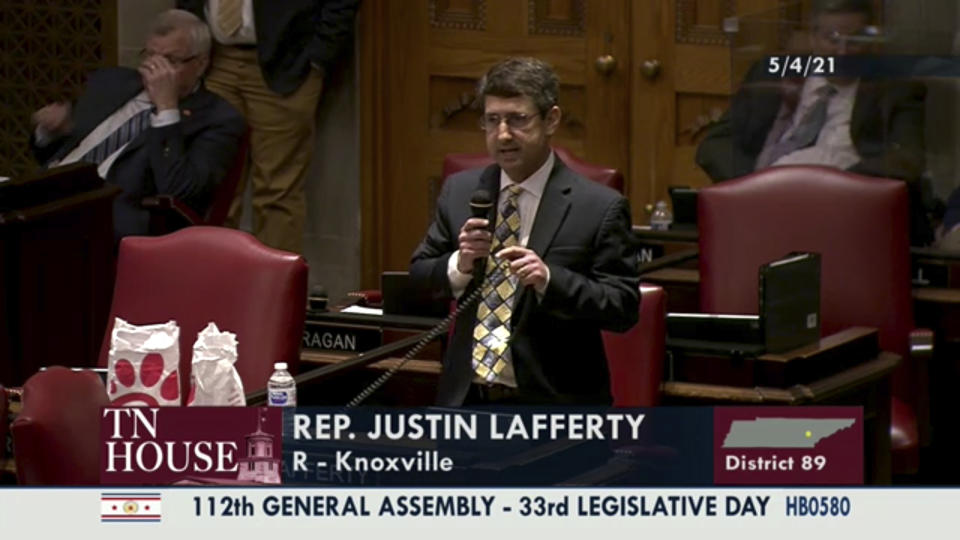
<point>557,268</point>
<point>152,130</point>
<point>872,127</point>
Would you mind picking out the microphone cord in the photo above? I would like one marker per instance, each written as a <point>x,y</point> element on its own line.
<point>470,300</point>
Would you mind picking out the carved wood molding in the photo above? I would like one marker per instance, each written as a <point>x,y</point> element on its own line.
<point>465,101</point>
<point>442,17</point>
<point>692,132</point>
<point>540,25</point>
<point>691,33</point>
<point>570,121</point>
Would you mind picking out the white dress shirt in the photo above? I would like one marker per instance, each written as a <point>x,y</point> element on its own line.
<point>246,35</point>
<point>527,204</point>
<point>834,146</point>
<point>135,106</point>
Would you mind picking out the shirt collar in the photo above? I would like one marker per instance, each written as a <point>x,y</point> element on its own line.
<point>534,183</point>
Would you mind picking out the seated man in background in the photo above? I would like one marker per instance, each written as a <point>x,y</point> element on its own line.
<point>153,130</point>
<point>869,127</point>
<point>558,267</point>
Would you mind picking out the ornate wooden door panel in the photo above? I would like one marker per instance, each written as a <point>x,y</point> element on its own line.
<point>681,81</point>
<point>429,55</point>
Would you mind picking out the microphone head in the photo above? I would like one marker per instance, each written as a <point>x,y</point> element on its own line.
<point>480,203</point>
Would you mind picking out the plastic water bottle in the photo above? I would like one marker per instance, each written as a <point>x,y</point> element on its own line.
<point>281,388</point>
<point>661,218</point>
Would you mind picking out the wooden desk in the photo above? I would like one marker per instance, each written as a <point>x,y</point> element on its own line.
<point>863,379</point>
<point>653,245</point>
<point>939,310</point>
<point>414,385</point>
<point>682,286</point>
<point>56,276</point>
<point>391,327</point>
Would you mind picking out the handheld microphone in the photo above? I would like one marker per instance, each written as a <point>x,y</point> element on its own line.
<point>480,205</point>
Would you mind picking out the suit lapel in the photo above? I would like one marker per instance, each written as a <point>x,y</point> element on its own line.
<point>554,205</point>
<point>553,209</point>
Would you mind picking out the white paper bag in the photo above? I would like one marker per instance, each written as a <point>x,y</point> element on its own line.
<point>214,380</point>
<point>143,364</point>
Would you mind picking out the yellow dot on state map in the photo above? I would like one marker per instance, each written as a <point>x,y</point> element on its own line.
<point>809,434</point>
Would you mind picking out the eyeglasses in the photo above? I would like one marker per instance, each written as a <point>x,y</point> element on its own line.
<point>515,121</point>
<point>177,62</point>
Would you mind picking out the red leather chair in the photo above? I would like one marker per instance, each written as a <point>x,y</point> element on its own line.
<point>167,213</point>
<point>635,357</point>
<point>56,436</point>
<point>612,178</point>
<point>860,227</point>
<point>203,274</point>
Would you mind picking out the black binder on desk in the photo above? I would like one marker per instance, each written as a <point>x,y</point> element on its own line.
<point>790,301</point>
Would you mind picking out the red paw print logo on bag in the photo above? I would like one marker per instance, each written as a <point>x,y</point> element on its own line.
<point>144,365</point>
<point>142,386</point>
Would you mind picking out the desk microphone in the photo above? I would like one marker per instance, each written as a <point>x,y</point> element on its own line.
<point>481,204</point>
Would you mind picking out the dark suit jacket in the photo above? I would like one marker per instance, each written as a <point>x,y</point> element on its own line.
<point>292,34</point>
<point>582,232</point>
<point>886,126</point>
<point>187,159</point>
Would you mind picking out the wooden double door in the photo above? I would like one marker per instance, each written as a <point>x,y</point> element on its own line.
<point>639,80</point>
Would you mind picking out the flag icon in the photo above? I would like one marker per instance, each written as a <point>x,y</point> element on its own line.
<point>120,507</point>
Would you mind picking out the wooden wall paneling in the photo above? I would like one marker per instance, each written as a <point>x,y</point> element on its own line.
<point>652,113</point>
<point>427,56</point>
<point>667,111</point>
<point>372,103</point>
<point>695,113</point>
<point>606,114</point>
<point>407,125</point>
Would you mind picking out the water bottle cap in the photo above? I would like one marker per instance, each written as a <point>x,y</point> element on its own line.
<point>280,365</point>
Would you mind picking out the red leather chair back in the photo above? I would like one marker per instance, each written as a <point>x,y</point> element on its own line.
<point>612,178</point>
<point>454,163</point>
<point>635,357</point>
<point>860,227</point>
<point>56,436</point>
<point>202,274</point>
<point>227,190</point>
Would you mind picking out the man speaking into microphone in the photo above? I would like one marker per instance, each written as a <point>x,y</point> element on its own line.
<point>552,258</point>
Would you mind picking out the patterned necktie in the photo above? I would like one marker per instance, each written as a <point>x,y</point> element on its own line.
<point>120,136</point>
<point>804,135</point>
<point>230,16</point>
<point>491,335</point>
